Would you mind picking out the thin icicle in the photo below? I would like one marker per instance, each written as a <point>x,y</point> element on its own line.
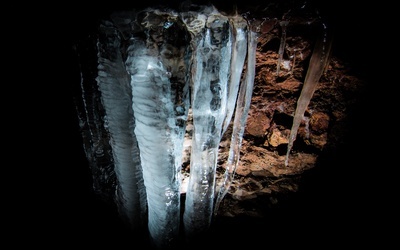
<point>239,51</point>
<point>241,112</point>
<point>283,24</point>
<point>318,63</point>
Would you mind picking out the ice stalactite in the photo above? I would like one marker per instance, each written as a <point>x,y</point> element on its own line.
<point>240,118</point>
<point>90,114</point>
<point>239,52</point>
<point>317,65</point>
<point>283,24</point>
<point>152,65</point>
<point>209,96</point>
<point>157,62</point>
<point>114,85</point>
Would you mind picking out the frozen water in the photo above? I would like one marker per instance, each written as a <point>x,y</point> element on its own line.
<point>242,109</point>
<point>157,64</point>
<point>210,85</point>
<point>113,82</point>
<point>317,65</point>
<point>150,67</point>
<point>239,52</point>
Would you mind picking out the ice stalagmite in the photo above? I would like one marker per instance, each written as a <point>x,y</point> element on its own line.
<point>114,84</point>
<point>318,62</point>
<point>157,62</point>
<point>210,71</point>
<point>241,112</point>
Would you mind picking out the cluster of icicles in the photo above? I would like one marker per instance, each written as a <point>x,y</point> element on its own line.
<point>153,65</point>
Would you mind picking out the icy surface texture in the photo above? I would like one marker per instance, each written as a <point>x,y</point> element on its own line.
<point>157,62</point>
<point>113,81</point>
<point>212,55</point>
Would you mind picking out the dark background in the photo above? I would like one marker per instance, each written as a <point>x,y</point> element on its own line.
<point>336,204</point>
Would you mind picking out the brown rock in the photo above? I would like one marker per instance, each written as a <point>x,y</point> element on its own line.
<point>257,124</point>
<point>290,84</point>
<point>319,122</point>
<point>278,137</point>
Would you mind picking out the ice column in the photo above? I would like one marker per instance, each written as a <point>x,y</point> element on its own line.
<point>114,84</point>
<point>209,96</point>
<point>157,62</point>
